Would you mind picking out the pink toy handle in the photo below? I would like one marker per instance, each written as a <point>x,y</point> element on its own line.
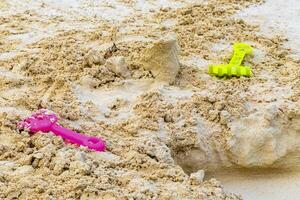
<point>77,138</point>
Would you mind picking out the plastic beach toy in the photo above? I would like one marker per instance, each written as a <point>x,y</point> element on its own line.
<point>230,70</point>
<point>45,121</point>
<point>234,68</point>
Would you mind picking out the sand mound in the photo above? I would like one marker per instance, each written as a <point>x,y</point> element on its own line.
<point>161,58</point>
<point>165,120</point>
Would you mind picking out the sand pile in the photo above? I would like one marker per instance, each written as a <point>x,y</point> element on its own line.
<point>161,59</point>
<point>164,118</point>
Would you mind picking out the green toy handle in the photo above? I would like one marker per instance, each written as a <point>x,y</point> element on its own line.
<point>237,58</point>
<point>240,50</point>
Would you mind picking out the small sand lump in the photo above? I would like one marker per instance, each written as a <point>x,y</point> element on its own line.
<point>93,57</point>
<point>197,177</point>
<point>118,65</point>
<point>161,58</point>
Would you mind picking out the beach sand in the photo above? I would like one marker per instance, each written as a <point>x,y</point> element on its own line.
<point>135,74</point>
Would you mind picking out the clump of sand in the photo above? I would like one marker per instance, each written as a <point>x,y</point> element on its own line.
<point>161,58</point>
<point>118,65</point>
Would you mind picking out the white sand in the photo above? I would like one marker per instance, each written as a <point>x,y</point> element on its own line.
<point>277,17</point>
<point>274,17</point>
<point>264,185</point>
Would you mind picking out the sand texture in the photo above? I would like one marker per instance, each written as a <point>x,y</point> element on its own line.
<point>135,74</point>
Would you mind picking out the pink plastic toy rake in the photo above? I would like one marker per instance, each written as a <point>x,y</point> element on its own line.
<point>45,121</point>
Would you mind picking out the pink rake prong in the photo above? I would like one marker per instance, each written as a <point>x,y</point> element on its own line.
<point>46,121</point>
